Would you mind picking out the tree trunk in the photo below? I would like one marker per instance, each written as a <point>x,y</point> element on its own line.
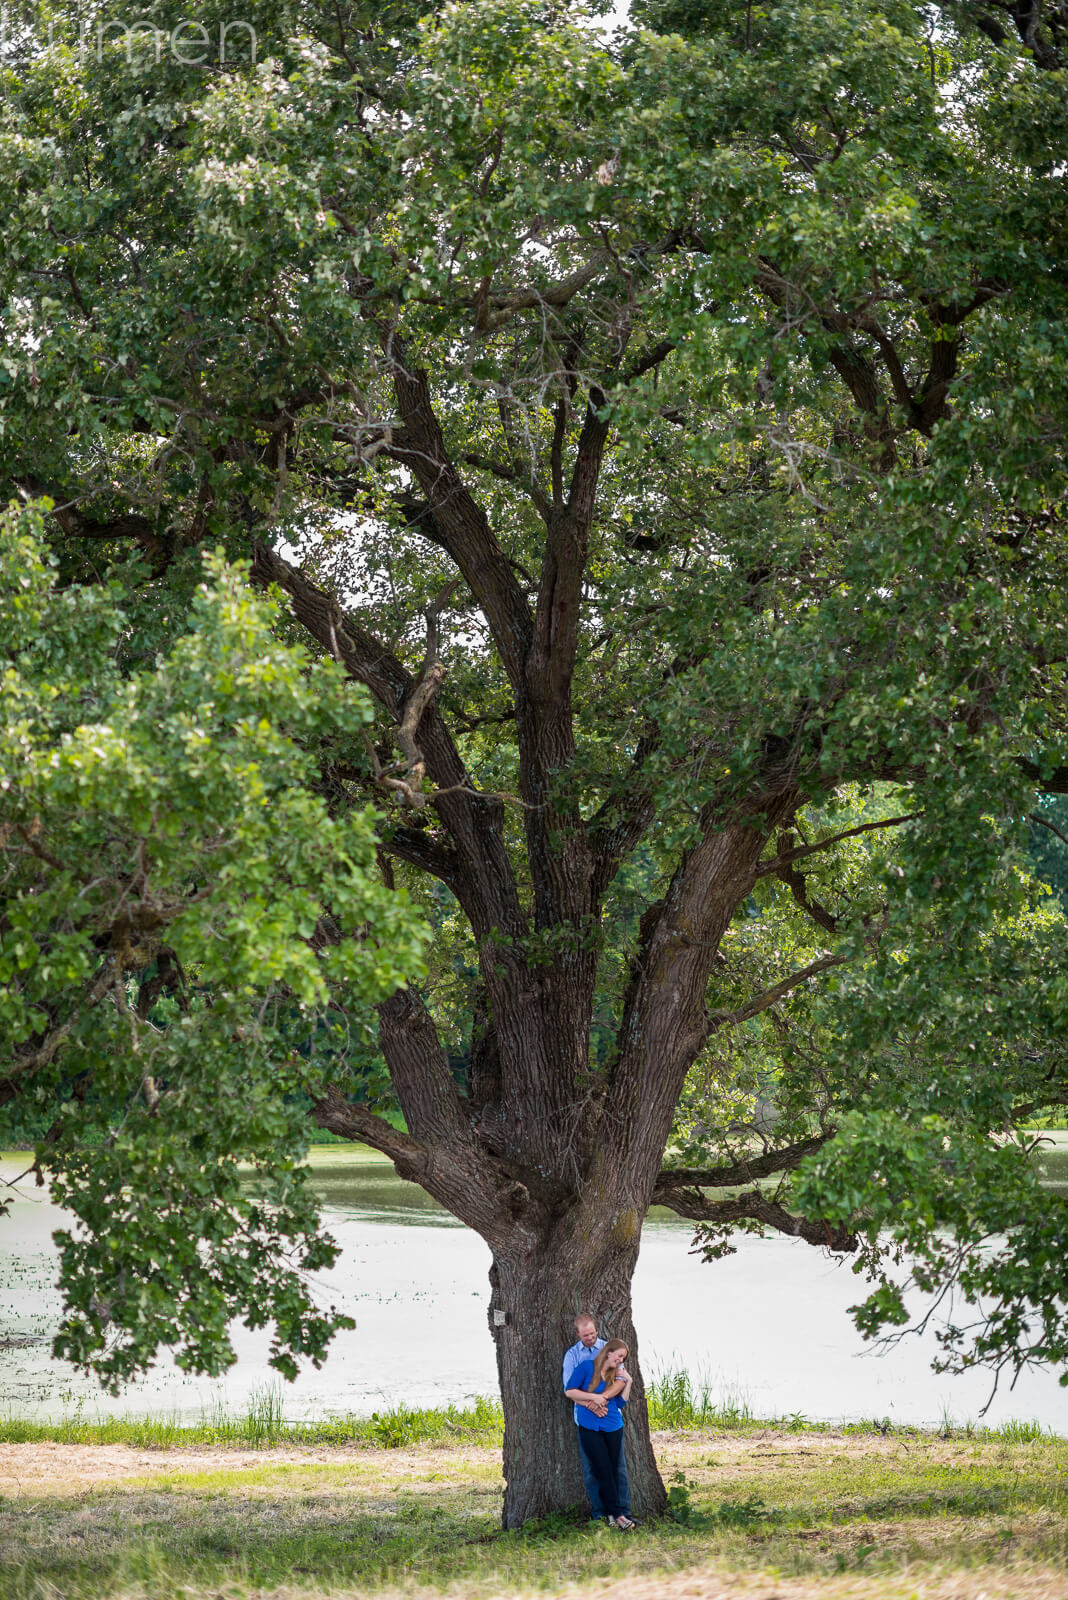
<point>536,1295</point>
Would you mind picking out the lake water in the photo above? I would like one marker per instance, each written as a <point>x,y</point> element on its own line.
<point>767,1326</point>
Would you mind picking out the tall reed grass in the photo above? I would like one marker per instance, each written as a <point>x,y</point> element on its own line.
<point>263,1424</point>
<point>677,1399</point>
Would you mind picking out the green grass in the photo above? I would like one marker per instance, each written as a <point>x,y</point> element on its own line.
<point>263,1426</point>
<point>676,1399</point>
<point>800,1505</point>
<point>677,1402</point>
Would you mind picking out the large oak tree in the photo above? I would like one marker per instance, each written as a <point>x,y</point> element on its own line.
<point>667,429</point>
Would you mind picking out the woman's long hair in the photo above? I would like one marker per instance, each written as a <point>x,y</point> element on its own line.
<point>599,1364</point>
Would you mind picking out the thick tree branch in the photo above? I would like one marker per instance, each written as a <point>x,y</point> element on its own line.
<point>556,838</point>
<point>618,826</point>
<point>419,1067</point>
<point>38,1055</point>
<point>665,1021</point>
<point>38,849</point>
<point>449,1168</point>
<point>486,887</point>
<point>417,702</point>
<point>739,1172</point>
<point>797,884</point>
<point>1042,29</point>
<point>362,655</point>
<point>1053,782</point>
<point>1044,822</point>
<point>757,1207</point>
<point>854,368</point>
<point>416,844</point>
<point>556,453</point>
<point>562,414</point>
<point>462,523</point>
<point>360,1124</point>
<point>556,626</point>
<point>798,852</point>
<point>769,997</point>
<point>158,546</point>
<point>650,358</point>
<point>455,1166</point>
<point>419,849</point>
<point>496,469</point>
<point>1029,1108</point>
<point>511,473</point>
<point>923,407</point>
<point>494,310</point>
<point>485,1080</point>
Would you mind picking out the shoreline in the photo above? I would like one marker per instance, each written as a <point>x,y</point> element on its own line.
<point>264,1427</point>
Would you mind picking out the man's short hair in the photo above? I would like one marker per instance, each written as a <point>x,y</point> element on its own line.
<point>584,1316</point>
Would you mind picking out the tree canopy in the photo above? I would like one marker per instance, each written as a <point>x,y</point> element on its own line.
<point>667,428</point>
<point>180,908</point>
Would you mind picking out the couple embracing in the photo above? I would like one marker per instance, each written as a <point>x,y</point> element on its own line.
<point>596,1379</point>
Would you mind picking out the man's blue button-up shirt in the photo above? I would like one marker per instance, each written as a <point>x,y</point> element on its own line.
<point>574,1357</point>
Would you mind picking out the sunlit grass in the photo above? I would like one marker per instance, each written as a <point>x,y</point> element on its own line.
<point>263,1425</point>
<point>796,1505</point>
<point>677,1400</point>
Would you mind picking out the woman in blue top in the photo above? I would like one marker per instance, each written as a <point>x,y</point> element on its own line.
<point>603,1437</point>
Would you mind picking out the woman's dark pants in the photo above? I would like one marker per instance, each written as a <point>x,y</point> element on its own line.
<point>604,1467</point>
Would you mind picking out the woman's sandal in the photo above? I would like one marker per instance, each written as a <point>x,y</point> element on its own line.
<point>624,1524</point>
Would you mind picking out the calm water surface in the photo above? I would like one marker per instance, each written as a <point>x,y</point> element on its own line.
<point>767,1326</point>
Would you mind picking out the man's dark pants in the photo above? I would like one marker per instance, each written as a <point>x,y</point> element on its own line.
<point>590,1480</point>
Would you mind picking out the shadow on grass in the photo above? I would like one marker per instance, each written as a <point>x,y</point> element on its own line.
<point>938,1503</point>
<point>348,1527</point>
<point>100,1544</point>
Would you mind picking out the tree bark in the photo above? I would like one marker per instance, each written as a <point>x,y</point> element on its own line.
<point>555,1169</point>
<point>582,1266</point>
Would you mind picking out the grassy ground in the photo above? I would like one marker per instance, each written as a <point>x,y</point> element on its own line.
<point>763,1513</point>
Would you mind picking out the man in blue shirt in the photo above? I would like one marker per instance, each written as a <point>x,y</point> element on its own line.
<point>587,1345</point>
